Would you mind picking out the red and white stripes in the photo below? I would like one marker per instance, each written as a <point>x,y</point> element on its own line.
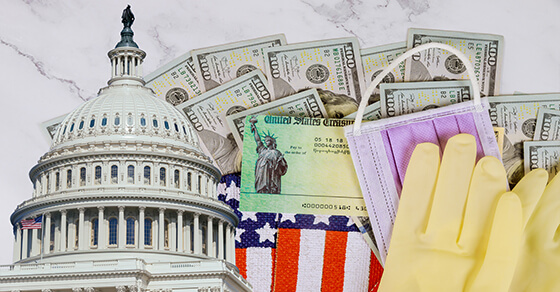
<point>311,260</point>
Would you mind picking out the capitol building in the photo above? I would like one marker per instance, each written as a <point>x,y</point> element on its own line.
<point>127,199</point>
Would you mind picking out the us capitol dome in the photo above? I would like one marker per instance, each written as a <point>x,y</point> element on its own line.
<point>126,197</point>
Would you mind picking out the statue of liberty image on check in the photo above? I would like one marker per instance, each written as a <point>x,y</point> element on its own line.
<point>270,165</point>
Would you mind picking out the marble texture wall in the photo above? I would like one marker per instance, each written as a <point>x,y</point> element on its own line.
<point>53,53</point>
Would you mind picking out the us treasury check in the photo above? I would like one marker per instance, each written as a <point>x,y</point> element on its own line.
<point>308,173</point>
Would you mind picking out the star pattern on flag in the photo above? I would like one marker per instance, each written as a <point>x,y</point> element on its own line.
<point>266,233</point>
<point>321,219</point>
<point>249,215</point>
<point>288,217</point>
<point>221,189</point>
<point>238,232</point>
<point>233,191</point>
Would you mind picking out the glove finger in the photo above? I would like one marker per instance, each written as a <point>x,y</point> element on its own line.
<point>498,265</point>
<point>544,223</point>
<point>416,195</point>
<point>530,190</point>
<point>452,188</point>
<point>488,184</point>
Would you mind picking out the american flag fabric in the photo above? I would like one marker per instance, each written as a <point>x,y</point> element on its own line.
<point>300,252</point>
<point>32,223</point>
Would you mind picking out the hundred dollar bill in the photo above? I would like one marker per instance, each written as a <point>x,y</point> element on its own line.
<point>542,154</point>
<point>304,104</point>
<point>484,51</point>
<point>517,114</point>
<point>500,132</point>
<point>375,59</point>
<point>363,224</point>
<point>372,112</point>
<point>548,125</point>
<point>298,165</point>
<point>219,64</point>
<point>50,127</point>
<point>207,114</point>
<point>334,67</point>
<point>176,81</point>
<point>409,97</point>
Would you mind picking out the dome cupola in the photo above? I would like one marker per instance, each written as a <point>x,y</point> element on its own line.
<point>126,111</point>
<point>126,57</point>
<point>127,33</point>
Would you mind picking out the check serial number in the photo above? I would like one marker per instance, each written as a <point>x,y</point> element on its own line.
<point>323,206</point>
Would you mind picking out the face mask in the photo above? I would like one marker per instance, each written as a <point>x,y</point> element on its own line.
<point>381,149</point>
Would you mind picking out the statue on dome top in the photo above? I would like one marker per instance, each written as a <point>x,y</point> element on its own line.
<point>127,17</point>
<point>127,33</point>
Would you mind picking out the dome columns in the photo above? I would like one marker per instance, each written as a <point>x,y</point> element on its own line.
<point>62,230</point>
<point>81,229</point>
<point>209,240</point>
<point>181,232</point>
<point>24,244</point>
<point>230,244</point>
<point>197,240</point>
<point>126,65</point>
<point>17,243</point>
<point>161,229</point>
<point>142,223</point>
<point>47,241</point>
<point>221,239</point>
<point>101,226</point>
<point>106,228</point>
<point>187,235</point>
<point>121,230</point>
<point>35,244</point>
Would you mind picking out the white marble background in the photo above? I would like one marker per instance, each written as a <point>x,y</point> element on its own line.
<point>53,52</point>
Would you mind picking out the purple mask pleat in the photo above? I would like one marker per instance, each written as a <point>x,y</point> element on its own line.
<point>405,138</point>
<point>445,127</point>
<point>391,158</point>
<point>467,125</point>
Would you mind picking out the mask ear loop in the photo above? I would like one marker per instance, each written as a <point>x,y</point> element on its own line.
<point>404,56</point>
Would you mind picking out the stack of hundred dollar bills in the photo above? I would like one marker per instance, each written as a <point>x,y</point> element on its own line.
<point>220,88</point>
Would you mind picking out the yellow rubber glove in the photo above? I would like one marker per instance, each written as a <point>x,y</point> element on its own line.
<point>457,227</point>
<point>538,268</point>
